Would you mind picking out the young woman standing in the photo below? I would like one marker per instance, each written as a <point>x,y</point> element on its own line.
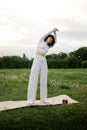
<point>39,66</point>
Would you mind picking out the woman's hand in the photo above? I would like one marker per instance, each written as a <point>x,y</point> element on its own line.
<point>55,29</point>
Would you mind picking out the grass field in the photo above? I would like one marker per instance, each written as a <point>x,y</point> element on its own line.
<point>73,82</point>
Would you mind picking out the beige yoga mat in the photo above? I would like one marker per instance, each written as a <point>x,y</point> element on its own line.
<point>61,99</point>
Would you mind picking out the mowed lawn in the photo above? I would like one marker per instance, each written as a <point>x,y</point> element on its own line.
<point>73,82</point>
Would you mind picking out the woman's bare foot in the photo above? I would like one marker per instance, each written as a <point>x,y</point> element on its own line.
<point>30,104</point>
<point>45,102</point>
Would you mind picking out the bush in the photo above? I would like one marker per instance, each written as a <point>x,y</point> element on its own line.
<point>84,64</point>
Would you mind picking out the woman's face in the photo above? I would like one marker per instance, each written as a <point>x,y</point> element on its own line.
<point>49,40</point>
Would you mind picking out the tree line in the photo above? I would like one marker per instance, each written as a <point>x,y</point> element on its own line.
<point>75,59</point>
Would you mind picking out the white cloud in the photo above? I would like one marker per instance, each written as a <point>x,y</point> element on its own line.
<point>23,22</point>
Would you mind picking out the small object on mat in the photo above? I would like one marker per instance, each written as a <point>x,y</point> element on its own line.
<point>64,101</point>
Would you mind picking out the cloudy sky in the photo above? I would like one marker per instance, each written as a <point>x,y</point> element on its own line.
<point>24,22</point>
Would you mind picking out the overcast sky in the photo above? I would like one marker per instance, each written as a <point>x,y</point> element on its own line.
<point>24,22</point>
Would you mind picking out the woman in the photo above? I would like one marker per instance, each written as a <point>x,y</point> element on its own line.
<point>39,66</point>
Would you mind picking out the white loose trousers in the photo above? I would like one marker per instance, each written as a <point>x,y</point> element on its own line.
<point>39,66</point>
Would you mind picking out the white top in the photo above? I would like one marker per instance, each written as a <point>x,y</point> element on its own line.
<point>42,45</point>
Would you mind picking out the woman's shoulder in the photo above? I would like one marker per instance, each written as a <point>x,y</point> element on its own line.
<point>41,43</point>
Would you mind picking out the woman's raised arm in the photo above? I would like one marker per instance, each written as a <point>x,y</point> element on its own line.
<point>53,30</point>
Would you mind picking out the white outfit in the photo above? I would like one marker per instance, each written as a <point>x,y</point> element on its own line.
<point>39,66</point>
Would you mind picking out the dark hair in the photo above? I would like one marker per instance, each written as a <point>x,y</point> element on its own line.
<point>53,42</point>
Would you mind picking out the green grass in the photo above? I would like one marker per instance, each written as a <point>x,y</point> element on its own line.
<point>73,82</point>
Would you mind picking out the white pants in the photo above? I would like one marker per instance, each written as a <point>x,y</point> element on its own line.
<point>39,66</point>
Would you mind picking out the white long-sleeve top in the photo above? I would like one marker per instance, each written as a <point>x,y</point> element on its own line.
<point>42,45</point>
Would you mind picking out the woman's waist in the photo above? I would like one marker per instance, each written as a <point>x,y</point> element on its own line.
<point>40,53</point>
